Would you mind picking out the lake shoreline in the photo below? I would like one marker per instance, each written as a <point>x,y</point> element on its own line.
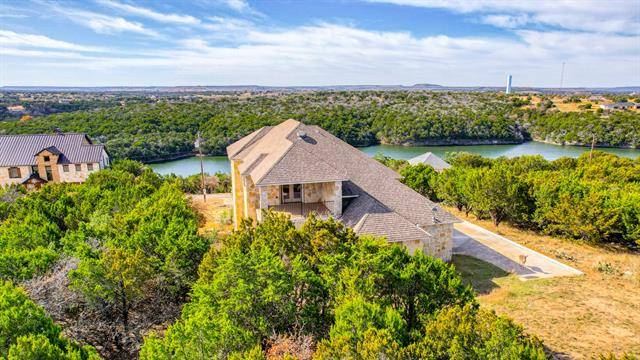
<point>462,143</point>
<point>456,142</point>
<point>170,158</point>
<point>578,144</point>
<point>186,165</point>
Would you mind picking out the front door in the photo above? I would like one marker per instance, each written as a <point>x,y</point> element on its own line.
<point>291,193</point>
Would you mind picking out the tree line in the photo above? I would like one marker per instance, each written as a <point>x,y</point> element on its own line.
<point>594,198</point>
<point>148,130</point>
<point>166,128</point>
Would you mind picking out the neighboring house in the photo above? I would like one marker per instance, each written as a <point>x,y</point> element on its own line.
<point>620,106</point>
<point>432,160</point>
<point>15,108</point>
<point>35,159</point>
<point>301,169</point>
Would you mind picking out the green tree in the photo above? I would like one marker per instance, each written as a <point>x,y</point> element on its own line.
<point>39,347</point>
<point>26,332</point>
<point>499,193</point>
<point>115,280</point>
<point>359,296</point>
<point>420,178</point>
<point>362,330</point>
<point>468,333</point>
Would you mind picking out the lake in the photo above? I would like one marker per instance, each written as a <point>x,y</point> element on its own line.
<point>213,164</point>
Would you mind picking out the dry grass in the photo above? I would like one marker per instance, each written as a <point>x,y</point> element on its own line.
<point>577,317</point>
<point>571,107</point>
<point>216,212</point>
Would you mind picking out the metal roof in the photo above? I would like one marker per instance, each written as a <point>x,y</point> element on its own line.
<point>430,159</point>
<point>20,150</point>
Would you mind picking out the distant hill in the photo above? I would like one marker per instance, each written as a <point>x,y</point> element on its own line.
<point>258,88</point>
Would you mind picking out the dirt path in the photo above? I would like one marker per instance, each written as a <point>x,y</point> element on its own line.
<point>473,240</point>
<point>216,212</point>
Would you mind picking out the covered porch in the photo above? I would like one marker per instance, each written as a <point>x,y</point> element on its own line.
<point>302,210</point>
<point>302,199</point>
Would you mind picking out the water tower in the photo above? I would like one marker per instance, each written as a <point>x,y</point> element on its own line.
<point>508,91</point>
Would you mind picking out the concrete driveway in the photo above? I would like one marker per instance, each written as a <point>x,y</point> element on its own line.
<point>473,240</point>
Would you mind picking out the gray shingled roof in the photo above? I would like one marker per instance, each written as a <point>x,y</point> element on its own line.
<point>384,205</point>
<point>20,150</point>
<point>430,159</point>
<point>294,168</point>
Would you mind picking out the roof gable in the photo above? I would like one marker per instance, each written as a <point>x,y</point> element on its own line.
<point>51,149</point>
<point>298,165</point>
<point>430,159</point>
<point>259,156</point>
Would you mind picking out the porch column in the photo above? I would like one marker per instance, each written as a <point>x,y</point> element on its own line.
<point>337,202</point>
<point>264,201</point>
<point>245,196</point>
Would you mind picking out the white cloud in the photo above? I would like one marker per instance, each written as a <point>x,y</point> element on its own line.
<point>39,41</point>
<point>619,16</point>
<point>13,16</point>
<point>227,29</point>
<point>103,24</point>
<point>237,5</point>
<point>151,14</point>
<point>335,54</point>
<point>25,53</point>
<point>506,21</point>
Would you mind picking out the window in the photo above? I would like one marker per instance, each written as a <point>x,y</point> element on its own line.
<point>34,169</point>
<point>291,193</point>
<point>78,167</point>
<point>46,158</point>
<point>90,167</point>
<point>14,173</point>
<point>65,168</point>
<point>47,169</point>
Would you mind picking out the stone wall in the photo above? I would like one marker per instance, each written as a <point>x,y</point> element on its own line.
<point>252,198</point>
<point>413,245</point>
<point>440,244</point>
<point>57,170</point>
<point>43,164</point>
<point>76,176</point>
<point>25,171</point>
<point>312,193</point>
<point>273,195</point>
<point>319,192</point>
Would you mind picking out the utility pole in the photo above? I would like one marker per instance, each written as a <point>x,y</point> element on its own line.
<point>197,146</point>
<point>593,144</point>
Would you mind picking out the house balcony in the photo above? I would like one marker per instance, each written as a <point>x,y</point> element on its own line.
<point>300,210</point>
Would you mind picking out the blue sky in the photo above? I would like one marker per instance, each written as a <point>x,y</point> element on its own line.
<point>322,42</point>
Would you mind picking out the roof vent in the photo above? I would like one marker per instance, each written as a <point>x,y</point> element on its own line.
<point>302,134</point>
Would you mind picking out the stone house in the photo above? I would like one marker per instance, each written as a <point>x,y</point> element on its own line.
<point>300,169</point>
<point>61,157</point>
